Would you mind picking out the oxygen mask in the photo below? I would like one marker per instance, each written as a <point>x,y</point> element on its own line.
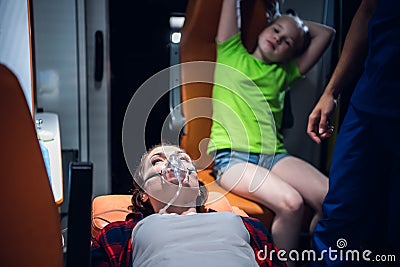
<point>175,169</point>
<point>176,172</point>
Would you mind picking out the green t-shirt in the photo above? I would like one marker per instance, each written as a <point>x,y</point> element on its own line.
<point>248,97</point>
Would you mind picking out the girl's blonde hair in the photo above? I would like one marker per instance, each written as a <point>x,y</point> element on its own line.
<point>304,29</point>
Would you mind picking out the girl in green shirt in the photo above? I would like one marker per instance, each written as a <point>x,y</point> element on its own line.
<point>248,94</point>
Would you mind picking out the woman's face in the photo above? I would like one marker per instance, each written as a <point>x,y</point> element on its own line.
<point>160,182</point>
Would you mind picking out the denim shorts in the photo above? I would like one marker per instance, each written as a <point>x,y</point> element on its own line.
<point>226,158</point>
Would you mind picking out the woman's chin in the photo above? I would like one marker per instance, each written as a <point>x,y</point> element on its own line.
<point>186,198</point>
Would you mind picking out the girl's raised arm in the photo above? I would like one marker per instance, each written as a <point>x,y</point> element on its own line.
<point>228,25</point>
<point>321,36</point>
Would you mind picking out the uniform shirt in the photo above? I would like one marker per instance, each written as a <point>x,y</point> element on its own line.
<point>378,90</point>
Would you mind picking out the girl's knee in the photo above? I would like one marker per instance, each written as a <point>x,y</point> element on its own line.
<point>292,203</point>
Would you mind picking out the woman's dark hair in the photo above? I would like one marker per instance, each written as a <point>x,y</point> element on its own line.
<point>138,205</point>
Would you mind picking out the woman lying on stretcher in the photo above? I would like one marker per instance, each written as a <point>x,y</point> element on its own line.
<point>169,228</point>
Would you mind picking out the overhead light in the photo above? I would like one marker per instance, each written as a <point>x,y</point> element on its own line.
<point>176,37</point>
<point>176,22</point>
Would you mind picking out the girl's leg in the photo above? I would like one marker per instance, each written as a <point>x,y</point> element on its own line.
<point>307,180</point>
<point>261,185</point>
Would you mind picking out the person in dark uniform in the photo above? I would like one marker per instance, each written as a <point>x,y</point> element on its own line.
<point>361,210</point>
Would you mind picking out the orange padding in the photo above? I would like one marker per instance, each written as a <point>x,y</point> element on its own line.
<point>111,208</point>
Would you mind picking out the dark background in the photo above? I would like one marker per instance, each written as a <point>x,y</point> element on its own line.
<point>139,38</point>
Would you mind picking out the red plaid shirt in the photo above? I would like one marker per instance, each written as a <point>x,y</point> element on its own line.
<point>113,246</point>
